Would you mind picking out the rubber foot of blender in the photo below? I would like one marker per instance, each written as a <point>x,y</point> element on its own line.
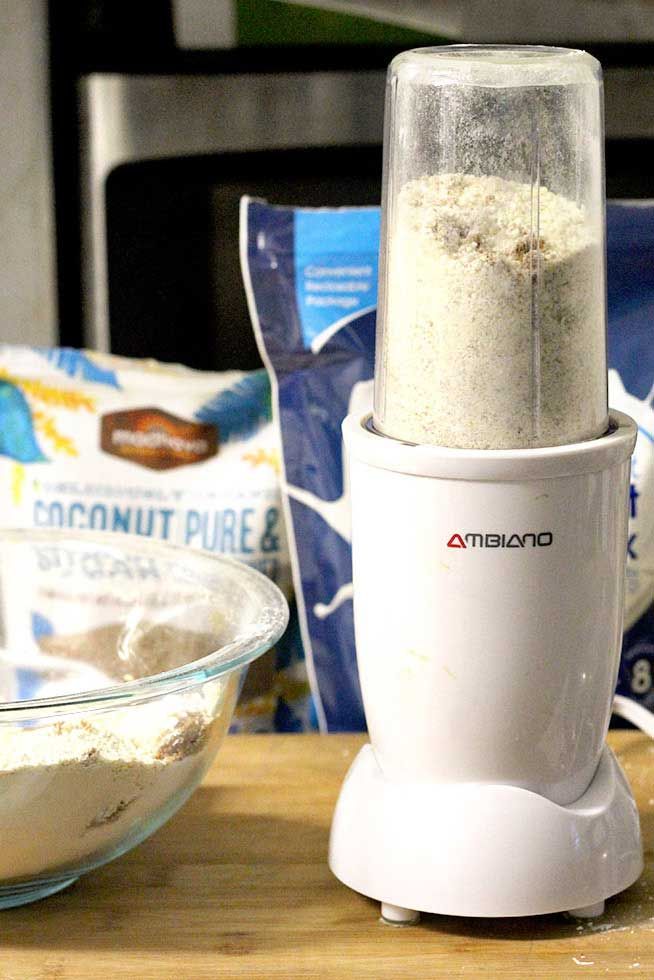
<point>587,911</point>
<point>395,915</point>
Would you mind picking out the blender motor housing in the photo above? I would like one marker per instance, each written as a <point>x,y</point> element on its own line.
<point>488,613</point>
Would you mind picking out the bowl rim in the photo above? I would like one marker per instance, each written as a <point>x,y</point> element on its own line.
<point>237,653</point>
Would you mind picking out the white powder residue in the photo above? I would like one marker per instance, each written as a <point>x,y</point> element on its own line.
<point>72,791</point>
<point>494,335</point>
<point>594,927</point>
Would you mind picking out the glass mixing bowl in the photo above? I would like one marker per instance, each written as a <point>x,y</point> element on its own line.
<point>120,663</point>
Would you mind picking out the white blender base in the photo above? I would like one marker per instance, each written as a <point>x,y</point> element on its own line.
<point>483,849</point>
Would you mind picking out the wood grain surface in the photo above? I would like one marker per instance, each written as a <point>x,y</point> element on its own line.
<point>237,885</point>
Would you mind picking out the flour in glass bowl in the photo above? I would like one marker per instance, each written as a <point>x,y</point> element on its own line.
<point>75,789</point>
<point>493,339</point>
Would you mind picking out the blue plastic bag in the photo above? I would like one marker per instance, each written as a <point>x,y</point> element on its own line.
<point>311,280</point>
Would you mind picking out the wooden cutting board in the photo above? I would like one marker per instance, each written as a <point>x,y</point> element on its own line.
<point>237,885</point>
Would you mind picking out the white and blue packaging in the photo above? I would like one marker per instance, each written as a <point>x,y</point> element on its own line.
<point>311,280</point>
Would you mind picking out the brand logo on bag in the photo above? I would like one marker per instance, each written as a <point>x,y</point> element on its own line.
<point>155,439</point>
<point>541,539</point>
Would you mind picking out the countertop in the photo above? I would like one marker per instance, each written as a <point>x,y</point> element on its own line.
<point>237,885</point>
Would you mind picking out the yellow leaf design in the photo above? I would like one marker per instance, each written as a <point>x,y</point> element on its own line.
<point>59,397</point>
<point>262,457</point>
<point>45,424</point>
<point>17,482</point>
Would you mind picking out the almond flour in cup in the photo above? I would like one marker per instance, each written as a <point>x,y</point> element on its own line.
<point>491,325</point>
<point>458,358</point>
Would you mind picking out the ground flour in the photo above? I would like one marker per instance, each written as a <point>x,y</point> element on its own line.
<point>473,356</point>
<point>73,791</point>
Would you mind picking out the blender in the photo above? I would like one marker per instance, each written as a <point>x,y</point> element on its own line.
<point>489,494</point>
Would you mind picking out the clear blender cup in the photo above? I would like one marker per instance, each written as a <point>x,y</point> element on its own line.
<point>491,319</point>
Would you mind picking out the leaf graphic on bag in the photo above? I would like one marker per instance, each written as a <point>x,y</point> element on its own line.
<point>240,410</point>
<point>17,437</point>
<point>79,364</point>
